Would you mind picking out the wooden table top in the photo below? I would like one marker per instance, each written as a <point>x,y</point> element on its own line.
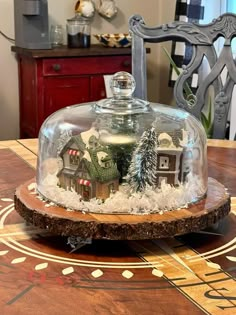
<point>191,274</point>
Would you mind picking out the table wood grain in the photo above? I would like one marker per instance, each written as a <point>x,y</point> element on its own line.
<point>190,274</point>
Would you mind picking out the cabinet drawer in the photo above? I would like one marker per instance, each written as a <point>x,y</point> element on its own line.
<point>86,65</point>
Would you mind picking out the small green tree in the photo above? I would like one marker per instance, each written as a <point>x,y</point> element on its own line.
<point>142,170</point>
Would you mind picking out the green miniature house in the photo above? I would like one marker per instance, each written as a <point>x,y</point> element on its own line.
<point>88,168</point>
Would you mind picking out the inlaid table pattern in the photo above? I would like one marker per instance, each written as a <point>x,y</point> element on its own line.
<point>39,273</point>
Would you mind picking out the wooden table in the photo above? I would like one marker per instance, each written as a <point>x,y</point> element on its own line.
<point>191,274</point>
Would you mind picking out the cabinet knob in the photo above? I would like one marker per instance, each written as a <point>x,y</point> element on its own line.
<point>127,63</point>
<point>103,93</point>
<point>56,67</point>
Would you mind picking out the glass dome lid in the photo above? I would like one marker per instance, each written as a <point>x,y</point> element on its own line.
<point>122,155</point>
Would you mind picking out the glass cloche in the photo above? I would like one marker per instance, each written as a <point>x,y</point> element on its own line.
<point>122,155</point>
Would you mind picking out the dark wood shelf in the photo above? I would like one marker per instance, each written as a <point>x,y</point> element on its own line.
<point>64,51</point>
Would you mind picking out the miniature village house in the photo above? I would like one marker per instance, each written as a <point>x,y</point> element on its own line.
<point>175,161</point>
<point>168,160</point>
<point>88,168</point>
<point>160,158</point>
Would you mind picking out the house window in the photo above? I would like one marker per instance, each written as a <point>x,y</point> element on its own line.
<point>164,163</point>
<point>111,188</point>
<point>74,159</point>
<point>107,164</point>
<point>93,142</point>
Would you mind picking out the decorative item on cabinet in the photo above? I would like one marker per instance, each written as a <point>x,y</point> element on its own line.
<point>114,40</point>
<point>107,9</point>
<point>85,8</point>
<point>78,32</point>
<point>56,35</point>
<point>79,27</point>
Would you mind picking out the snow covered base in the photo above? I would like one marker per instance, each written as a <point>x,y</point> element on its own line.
<point>158,200</point>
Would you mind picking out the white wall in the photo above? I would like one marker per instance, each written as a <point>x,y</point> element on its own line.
<point>153,11</point>
<point>9,104</point>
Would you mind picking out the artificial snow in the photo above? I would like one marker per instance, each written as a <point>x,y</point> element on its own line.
<point>87,134</point>
<point>151,200</point>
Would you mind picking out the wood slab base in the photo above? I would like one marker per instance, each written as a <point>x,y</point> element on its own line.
<point>121,226</point>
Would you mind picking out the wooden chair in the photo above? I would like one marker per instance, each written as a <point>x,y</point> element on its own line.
<point>202,39</point>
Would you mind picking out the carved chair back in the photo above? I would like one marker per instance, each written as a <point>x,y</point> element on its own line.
<point>202,39</point>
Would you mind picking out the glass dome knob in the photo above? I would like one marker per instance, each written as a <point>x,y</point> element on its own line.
<point>122,85</point>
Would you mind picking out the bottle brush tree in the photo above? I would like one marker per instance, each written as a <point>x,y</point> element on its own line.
<point>143,166</point>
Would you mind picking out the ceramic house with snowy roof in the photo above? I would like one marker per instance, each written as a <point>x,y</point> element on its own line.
<point>88,168</point>
<point>168,159</point>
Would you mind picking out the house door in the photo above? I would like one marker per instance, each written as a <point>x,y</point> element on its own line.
<point>86,192</point>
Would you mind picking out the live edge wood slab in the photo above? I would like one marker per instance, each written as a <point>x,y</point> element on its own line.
<point>59,221</point>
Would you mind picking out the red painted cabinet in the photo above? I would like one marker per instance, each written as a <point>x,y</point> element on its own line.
<point>52,79</point>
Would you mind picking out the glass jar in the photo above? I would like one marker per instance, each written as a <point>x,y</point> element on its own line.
<point>78,32</point>
<point>56,35</point>
<point>122,155</point>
